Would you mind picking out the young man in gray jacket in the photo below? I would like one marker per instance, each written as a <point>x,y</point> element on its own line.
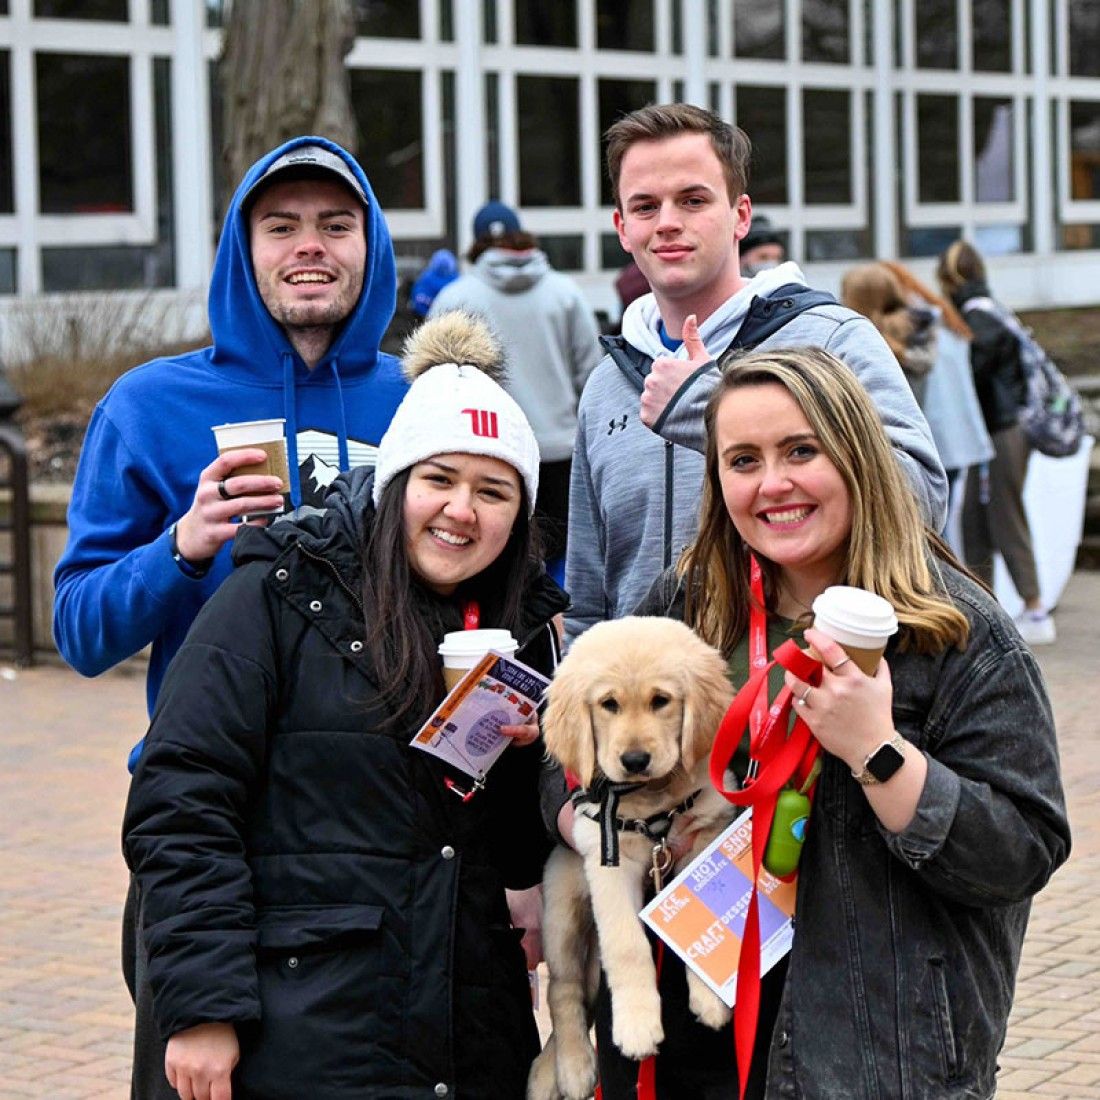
<point>679,175</point>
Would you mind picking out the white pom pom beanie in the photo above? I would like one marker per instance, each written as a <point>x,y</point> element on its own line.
<point>454,405</point>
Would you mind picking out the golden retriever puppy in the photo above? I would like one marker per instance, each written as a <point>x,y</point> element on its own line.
<point>636,705</point>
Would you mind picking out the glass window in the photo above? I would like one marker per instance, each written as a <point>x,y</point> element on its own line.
<point>999,240</point>
<point>387,19</point>
<point>825,31</point>
<point>1084,149</point>
<point>82,97</point>
<point>542,24</point>
<point>758,28</point>
<point>9,283</point>
<point>7,196</point>
<point>938,148</point>
<point>827,136</point>
<point>215,13</point>
<point>1073,236</point>
<point>617,98</point>
<point>489,20</point>
<point>221,186</point>
<point>450,168</point>
<point>492,132</point>
<point>838,244</point>
<point>548,146</point>
<point>677,27</point>
<point>564,251</point>
<point>108,267</point>
<point>624,24</point>
<point>166,221</point>
<point>387,106</point>
<point>712,28</point>
<point>991,30</point>
<point>113,11</point>
<point>929,240</point>
<point>446,21</point>
<point>762,114</point>
<point>994,150</point>
<point>937,23</point>
<point>612,256</point>
<point>159,15</point>
<point>1084,34</point>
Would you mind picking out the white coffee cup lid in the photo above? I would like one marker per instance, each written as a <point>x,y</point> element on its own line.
<point>854,616</point>
<point>244,432</point>
<point>476,643</point>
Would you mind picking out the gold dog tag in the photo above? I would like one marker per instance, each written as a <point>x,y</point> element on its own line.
<point>661,863</point>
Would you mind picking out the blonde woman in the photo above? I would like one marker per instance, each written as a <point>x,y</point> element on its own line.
<point>914,889</point>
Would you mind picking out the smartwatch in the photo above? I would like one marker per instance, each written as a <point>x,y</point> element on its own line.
<point>880,764</point>
<point>196,570</point>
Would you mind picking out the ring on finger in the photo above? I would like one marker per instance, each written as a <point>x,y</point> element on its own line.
<point>804,696</point>
<point>840,664</point>
<point>223,492</point>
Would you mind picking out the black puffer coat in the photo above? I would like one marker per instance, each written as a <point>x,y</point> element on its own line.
<point>304,873</point>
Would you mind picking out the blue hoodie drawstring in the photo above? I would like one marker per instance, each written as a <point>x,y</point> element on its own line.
<point>290,413</point>
<point>342,421</point>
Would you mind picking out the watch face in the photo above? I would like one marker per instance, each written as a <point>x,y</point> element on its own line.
<point>885,760</point>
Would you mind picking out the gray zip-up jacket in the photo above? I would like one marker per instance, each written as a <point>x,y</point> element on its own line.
<point>634,494</point>
<point>549,335</point>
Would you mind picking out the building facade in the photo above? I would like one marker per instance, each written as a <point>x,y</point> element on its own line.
<point>880,129</point>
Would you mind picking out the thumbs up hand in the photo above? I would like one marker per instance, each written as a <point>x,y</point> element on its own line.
<point>667,375</point>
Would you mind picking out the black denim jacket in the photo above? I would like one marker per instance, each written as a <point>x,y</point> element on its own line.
<point>906,945</point>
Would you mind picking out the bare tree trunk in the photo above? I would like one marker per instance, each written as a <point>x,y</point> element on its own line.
<point>282,74</point>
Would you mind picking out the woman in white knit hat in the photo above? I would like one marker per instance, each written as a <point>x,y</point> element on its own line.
<point>325,907</point>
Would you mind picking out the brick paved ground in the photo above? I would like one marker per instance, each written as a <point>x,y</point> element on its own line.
<point>65,1015</point>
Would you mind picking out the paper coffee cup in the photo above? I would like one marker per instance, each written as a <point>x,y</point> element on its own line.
<point>462,649</point>
<point>264,435</point>
<point>857,620</point>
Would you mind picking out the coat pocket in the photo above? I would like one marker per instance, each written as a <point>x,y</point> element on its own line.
<point>306,927</point>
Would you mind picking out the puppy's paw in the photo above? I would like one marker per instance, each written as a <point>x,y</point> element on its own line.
<point>636,1023</point>
<point>577,1073</point>
<point>541,1081</point>
<point>706,1006</point>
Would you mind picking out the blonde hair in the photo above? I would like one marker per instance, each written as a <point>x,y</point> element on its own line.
<point>890,551</point>
<point>962,263</point>
<point>872,289</point>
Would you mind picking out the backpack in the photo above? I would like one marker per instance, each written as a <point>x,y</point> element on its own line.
<point>1051,416</point>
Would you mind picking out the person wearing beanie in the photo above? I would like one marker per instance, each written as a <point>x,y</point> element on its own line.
<point>330,912</point>
<point>551,340</point>
<point>762,248</point>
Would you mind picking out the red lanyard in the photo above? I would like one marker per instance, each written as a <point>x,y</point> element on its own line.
<point>775,760</point>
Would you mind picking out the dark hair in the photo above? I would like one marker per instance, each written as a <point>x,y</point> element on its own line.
<point>657,122</point>
<point>518,239</point>
<point>405,621</point>
<point>962,263</point>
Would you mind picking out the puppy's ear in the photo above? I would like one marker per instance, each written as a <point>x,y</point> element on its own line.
<point>707,694</point>
<point>567,722</point>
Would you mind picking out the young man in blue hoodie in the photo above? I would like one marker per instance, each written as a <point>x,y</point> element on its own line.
<point>679,175</point>
<point>303,289</point>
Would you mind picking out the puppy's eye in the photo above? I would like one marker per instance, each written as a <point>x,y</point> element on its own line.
<point>610,705</point>
<point>659,702</point>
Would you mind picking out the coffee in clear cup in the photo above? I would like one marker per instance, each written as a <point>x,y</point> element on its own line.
<point>860,622</point>
<point>462,649</point>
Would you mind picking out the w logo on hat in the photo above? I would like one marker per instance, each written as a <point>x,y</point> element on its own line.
<point>482,422</point>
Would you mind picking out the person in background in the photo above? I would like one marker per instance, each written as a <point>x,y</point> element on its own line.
<point>993,516</point>
<point>302,291</point>
<point>325,918</point>
<point>939,810</point>
<point>440,270</point>
<point>909,328</point>
<point>762,247</point>
<point>950,403</point>
<point>551,341</point>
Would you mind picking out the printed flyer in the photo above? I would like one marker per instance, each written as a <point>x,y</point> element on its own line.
<point>464,729</point>
<point>701,913</point>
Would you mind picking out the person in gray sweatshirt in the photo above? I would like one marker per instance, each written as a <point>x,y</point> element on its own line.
<point>550,338</point>
<point>679,176</point>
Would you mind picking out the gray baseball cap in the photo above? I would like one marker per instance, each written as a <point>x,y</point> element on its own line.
<point>308,160</point>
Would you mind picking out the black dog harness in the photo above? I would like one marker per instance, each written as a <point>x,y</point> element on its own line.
<point>600,802</point>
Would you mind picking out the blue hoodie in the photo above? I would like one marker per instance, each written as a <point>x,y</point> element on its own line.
<point>117,586</point>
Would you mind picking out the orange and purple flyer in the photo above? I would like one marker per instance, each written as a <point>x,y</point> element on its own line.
<point>701,913</point>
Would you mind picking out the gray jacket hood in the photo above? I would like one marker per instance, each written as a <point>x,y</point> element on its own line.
<point>511,272</point>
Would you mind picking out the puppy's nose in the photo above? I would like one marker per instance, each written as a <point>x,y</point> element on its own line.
<point>635,761</point>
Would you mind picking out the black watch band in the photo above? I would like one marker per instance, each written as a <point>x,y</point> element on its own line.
<point>196,570</point>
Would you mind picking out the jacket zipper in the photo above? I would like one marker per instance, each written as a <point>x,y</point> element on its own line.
<point>336,574</point>
<point>669,458</point>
